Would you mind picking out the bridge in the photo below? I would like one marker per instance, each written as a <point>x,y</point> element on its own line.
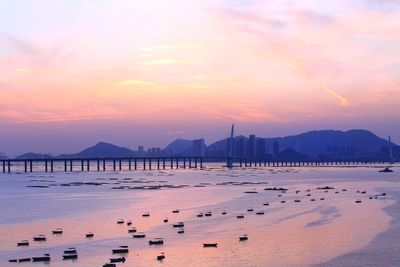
<point>162,163</point>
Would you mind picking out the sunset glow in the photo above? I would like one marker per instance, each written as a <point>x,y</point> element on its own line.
<point>189,67</point>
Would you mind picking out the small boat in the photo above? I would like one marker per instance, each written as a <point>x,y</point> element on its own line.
<point>322,198</point>
<point>146,214</point>
<point>363,192</point>
<point>156,241</point>
<point>179,224</point>
<point>210,245</point>
<point>120,221</point>
<point>297,200</point>
<point>23,243</point>
<point>45,257</point>
<point>129,223</point>
<point>387,169</point>
<point>109,265</point>
<point>132,230</point>
<point>120,250</point>
<point>39,238</point>
<point>313,199</point>
<point>325,188</point>
<point>243,238</point>
<point>58,231</point>
<point>224,212</point>
<point>241,216</point>
<point>344,190</point>
<point>24,260</point>
<point>121,259</point>
<point>358,201</point>
<point>208,214</point>
<point>70,251</point>
<point>297,191</point>
<point>181,231</point>
<point>165,220</point>
<point>266,204</point>
<point>260,213</point>
<point>139,235</point>
<point>175,211</point>
<point>336,192</point>
<point>200,215</point>
<point>279,195</point>
<point>283,201</point>
<point>89,235</point>
<point>13,260</point>
<point>70,256</point>
<point>161,257</point>
<point>308,195</point>
<point>250,210</point>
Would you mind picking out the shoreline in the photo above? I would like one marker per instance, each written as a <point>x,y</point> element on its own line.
<point>383,250</point>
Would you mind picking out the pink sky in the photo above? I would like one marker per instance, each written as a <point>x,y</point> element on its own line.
<point>145,72</point>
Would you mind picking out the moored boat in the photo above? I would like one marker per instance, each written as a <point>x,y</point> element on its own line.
<point>23,243</point>
<point>45,257</point>
<point>121,250</point>
<point>39,238</point>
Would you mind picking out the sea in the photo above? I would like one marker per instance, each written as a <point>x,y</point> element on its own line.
<point>292,216</point>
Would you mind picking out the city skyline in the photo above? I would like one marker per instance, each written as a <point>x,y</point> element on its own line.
<point>146,73</point>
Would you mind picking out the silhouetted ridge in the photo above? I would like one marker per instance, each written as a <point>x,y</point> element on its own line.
<point>102,150</point>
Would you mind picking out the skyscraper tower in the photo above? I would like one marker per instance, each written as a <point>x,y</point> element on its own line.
<point>229,160</point>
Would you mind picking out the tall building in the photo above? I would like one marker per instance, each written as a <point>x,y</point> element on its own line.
<point>251,147</point>
<point>199,147</point>
<point>140,150</point>
<point>275,148</point>
<point>240,147</point>
<point>260,148</point>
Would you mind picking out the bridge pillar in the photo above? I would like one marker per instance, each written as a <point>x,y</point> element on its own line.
<point>158,163</point>
<point>135,163</point>
<point>98,165</point>
<point>195,163</point>
<point>4,166</point>
<point>26,166</point>
<point>88,165</point>
<point>184,163</point>
<point>51,165</point>
<point>82,165</point>
<point>201,163</point>
<point>149,163</point>
<point>190,163</point>
<point>172,163</point>
<point>130,164</point>
<point>70,165</point>
<point>45,165</point>
<point>144,163</point>
<point>120,164</point>
<point>163,163</point>
<point>114,166</point>
<point>9,166</point>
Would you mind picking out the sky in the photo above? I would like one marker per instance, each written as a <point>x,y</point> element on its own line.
<point>76,72</point>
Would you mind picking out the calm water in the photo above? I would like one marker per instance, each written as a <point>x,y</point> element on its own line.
<point>288,234</point>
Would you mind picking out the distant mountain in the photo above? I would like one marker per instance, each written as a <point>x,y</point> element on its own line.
<point>102,150</point>
<point>179,147</point>
<point>289,154</point>
<point>34,156</point>
<point>316,144</point>
<point>331,143</point>
<point>326,144</point>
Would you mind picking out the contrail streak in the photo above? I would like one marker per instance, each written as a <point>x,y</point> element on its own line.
<point>343,101</point>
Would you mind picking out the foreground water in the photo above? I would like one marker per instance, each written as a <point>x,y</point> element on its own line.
<point>322,226</point>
